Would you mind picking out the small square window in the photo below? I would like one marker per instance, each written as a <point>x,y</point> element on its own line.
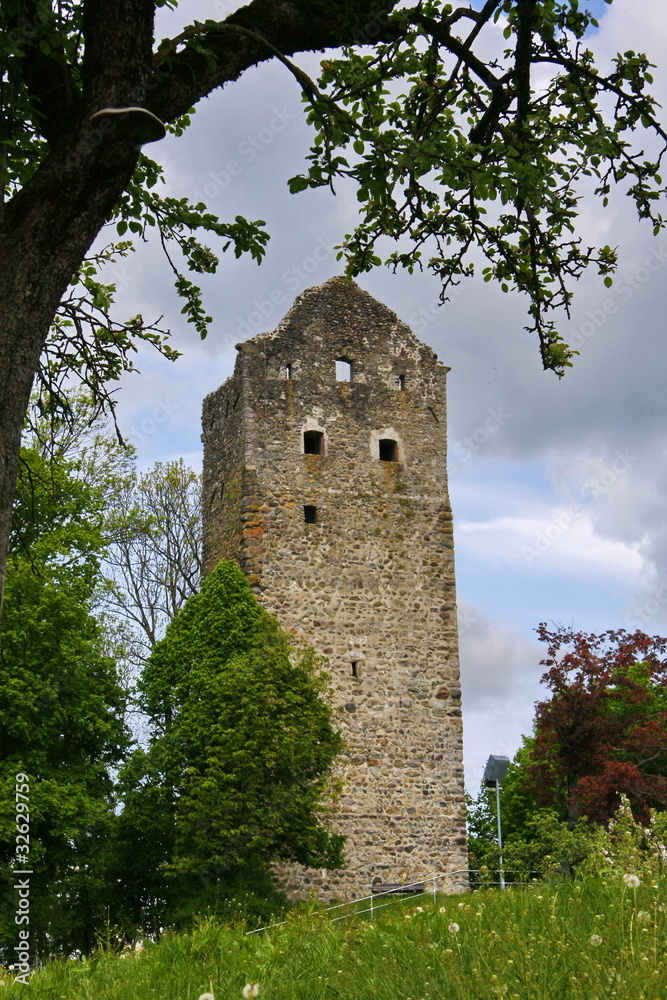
<point>343,370</point>
<point>388,450</point>
<point>313,443</point>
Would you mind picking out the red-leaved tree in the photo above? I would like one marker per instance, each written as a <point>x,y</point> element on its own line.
<point>603,732</point>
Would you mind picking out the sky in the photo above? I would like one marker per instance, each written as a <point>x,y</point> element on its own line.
<point>558,486</point>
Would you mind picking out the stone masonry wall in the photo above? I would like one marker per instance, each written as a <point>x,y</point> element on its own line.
<point>370,584</point>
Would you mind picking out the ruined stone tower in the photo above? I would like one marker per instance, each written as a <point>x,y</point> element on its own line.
<point>325,479</point>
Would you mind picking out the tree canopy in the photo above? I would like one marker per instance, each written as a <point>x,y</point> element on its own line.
<point>61,711</point>
<point>598,751</point>
<point>603,732</point>
<point>240,751</point>
<point>153,563</point>
<point>450,153</point>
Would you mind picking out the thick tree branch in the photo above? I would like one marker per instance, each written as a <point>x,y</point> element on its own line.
<point>290,26</point>
<point>522,59</point>
<point>118,56</point>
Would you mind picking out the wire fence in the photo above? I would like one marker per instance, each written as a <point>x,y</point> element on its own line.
<point>461,880</point>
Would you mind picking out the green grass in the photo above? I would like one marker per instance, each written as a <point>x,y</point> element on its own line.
<point>581,941</point>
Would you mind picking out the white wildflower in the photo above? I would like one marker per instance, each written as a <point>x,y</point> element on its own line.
<point>419,909</point>
<point>443,909</point>
<point>250,990</point>
<point>595,940</point>
<point>206,996</point>
<point>631,881</point>
<point>453,928</point>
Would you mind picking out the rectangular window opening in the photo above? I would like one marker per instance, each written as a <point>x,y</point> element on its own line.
<point>355,672</point>
<point>288,372</point>
<point>313,443</point>
<point>388,450</point>
<point>310,514</point>
<point>343,370</point>
<point>400,382</point>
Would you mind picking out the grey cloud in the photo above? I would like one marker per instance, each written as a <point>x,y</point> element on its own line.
<point>498,663</point>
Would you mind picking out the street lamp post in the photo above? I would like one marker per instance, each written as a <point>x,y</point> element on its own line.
<point>494,772</point>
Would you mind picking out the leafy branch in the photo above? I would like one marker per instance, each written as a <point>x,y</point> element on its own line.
<point>463,157</point>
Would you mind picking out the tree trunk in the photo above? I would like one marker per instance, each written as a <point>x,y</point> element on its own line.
<point>21,340</point>
<point>50,226</point>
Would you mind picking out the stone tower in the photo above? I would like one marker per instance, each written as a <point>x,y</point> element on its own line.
<point>325,478</point>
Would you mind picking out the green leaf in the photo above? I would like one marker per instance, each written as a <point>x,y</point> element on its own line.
<point>296,184</point>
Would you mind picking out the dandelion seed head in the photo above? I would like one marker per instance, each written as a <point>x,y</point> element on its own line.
<point>595,940</point>
<point>632,881</point>
<point>644,917</point>
<point>250,990</point>
<point>443,909</point>
<point>207,996</point>
<point>453,928</point>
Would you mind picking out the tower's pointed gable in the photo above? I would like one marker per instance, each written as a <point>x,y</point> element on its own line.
<point>338,308</point>
<point>339,311</point>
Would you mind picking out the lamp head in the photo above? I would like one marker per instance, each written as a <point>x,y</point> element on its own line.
<point>495,770</point>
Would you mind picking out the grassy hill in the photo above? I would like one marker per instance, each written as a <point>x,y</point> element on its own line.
<point>571,941</point>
